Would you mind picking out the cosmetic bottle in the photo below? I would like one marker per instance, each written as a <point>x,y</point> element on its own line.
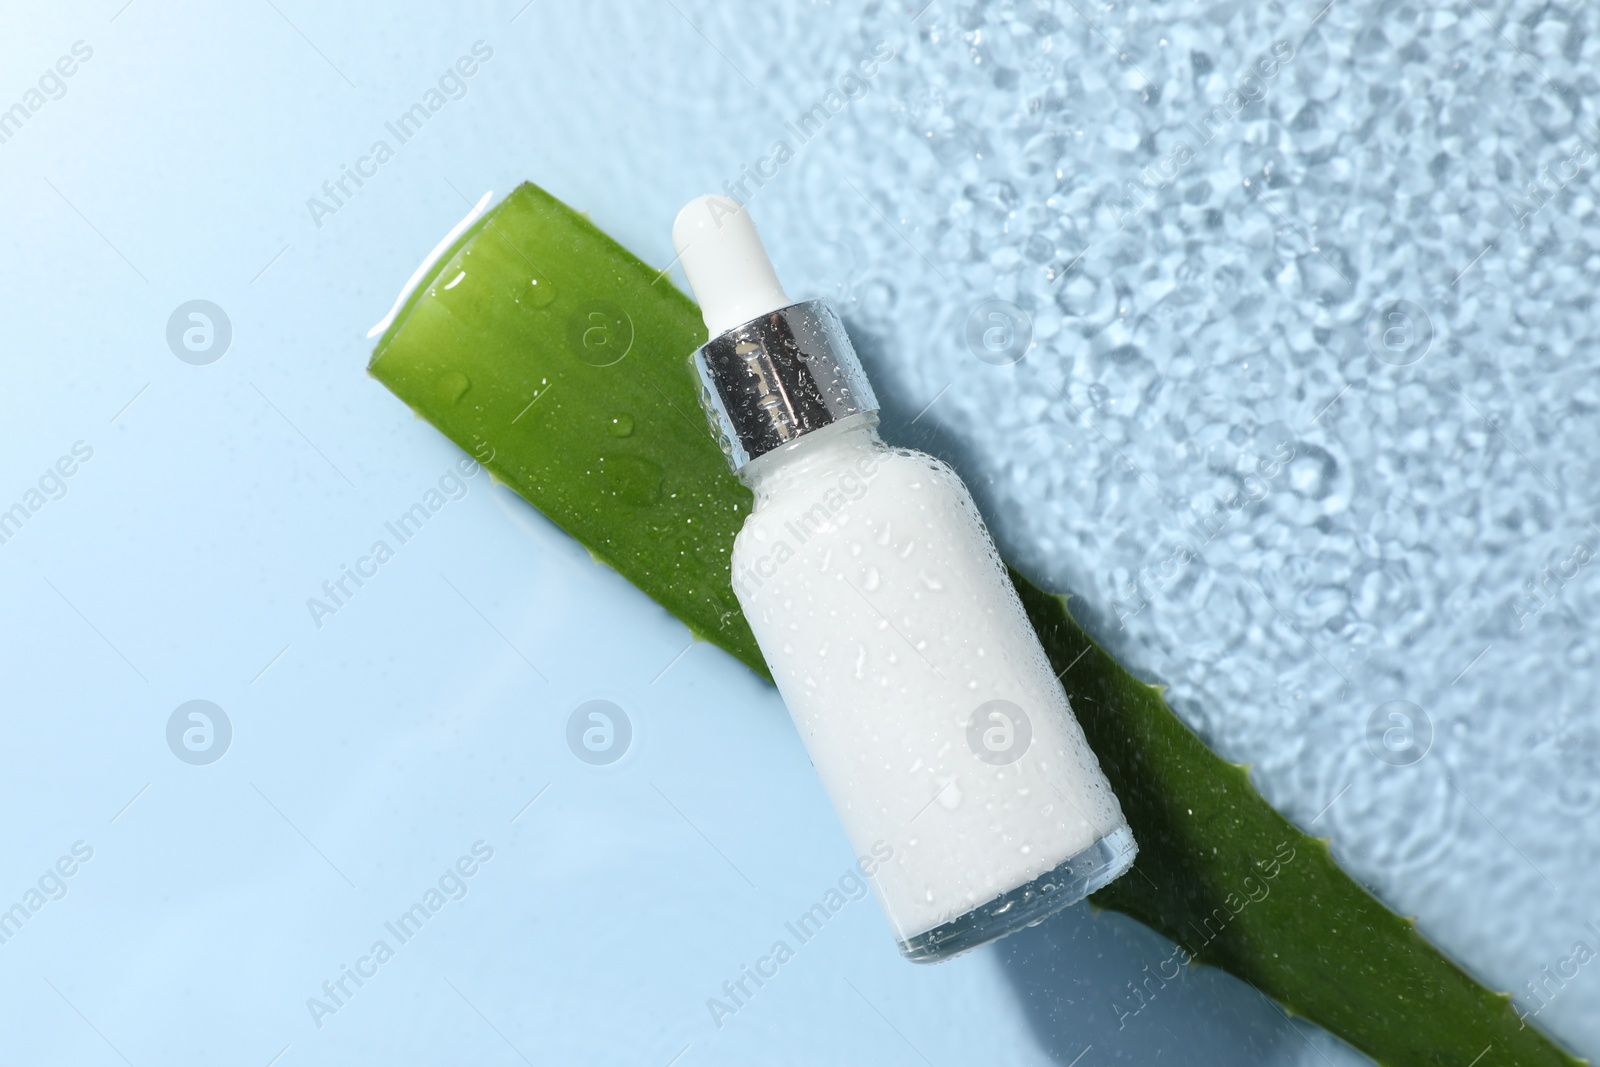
<point>929,710</point>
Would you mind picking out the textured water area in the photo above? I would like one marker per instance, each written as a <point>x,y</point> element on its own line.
<point>1263,330</point>
<point>1306,422</point>
<point>1400,549</point>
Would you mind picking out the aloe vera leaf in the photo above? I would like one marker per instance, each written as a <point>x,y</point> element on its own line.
<point>501,347</point>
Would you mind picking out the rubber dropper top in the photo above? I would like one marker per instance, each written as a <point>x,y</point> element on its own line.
<point>772,371</point>
<point>727,267</point>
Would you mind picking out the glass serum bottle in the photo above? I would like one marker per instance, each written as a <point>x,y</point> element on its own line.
<point>896,639</point>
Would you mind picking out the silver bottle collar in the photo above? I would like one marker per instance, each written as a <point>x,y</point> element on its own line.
<point>778,377</point>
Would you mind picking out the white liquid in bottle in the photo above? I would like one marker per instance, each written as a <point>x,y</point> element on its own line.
<point>894,635</point>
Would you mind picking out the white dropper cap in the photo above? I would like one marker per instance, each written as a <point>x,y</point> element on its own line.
<point>727,266</point>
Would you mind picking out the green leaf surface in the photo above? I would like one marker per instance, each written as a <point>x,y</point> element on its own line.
<point>559,360</point>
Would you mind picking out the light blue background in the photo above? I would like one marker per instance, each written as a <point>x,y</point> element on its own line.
<point>369,753</point>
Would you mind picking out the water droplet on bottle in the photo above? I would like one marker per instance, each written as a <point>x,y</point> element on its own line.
<point>930,581</point>
<point>884,535</point>
<point>452,385</point>
<point>951,796</point>
<point>621,425</point>
<point>872,580</point>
